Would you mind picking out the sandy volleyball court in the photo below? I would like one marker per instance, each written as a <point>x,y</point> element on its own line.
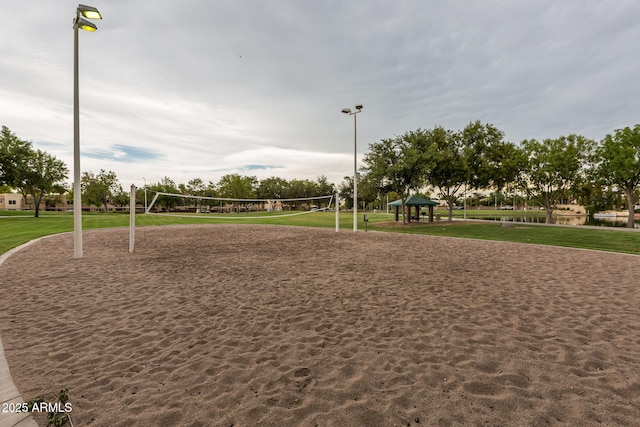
<point>225,325</point>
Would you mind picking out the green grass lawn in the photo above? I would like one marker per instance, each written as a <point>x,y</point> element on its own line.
<point>18,229</point>
<point>575,237</point>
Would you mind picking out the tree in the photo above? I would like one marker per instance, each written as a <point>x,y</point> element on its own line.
<point>140,191</point>
<point>235,186</point>
<point>195,187</point>
<point>299,188</point>
<point>446,165</point>
<point>618,164</point>
<point>123,198</point>
<point>552,167</point>
<point>324,187</point>
<point>367,189</point>
<point>39,175</point>
<point>166,185</point>
<point>490,161</point>
<point>595,196</point>
<point>211,190</point>
<point>345,191</point>
<point>100,189</point>
<point>272,188</point>
<point>476,141</point>
<point>397,164</point>
<point>54,198</point>
<point>12,152</point>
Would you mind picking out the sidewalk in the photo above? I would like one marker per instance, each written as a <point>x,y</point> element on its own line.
<point>9,394</point>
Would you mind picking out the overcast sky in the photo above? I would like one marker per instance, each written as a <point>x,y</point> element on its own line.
<point>198,88</point>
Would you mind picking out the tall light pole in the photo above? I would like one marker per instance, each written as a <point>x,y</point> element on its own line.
<point>355,162</point>
<point>78,23</point>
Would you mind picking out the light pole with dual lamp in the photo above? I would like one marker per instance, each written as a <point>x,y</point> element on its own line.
<point>355,162</point>
<point>79,23</point>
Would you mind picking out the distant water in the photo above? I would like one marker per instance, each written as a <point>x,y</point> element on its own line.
<point>561,219</point>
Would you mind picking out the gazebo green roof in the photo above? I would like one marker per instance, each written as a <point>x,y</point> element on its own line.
<point>415,201</point>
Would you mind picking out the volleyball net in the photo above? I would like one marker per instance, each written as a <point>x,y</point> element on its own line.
<point>171,204</point>
<point>205,207</point>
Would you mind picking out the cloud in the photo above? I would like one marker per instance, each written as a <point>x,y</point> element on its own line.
<point>122,153</point>
<point>203,89</point>
<point>259,167</point>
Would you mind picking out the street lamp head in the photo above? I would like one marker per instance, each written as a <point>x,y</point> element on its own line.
<point>346,110</point>
<point>83,24</point>
<point>359,107</point>
<point>89,12</point>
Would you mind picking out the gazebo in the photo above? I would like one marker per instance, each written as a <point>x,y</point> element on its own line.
<point>414,201</point>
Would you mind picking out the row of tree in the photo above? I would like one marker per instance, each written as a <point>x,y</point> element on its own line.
<point>236,186</point>
<point>478,157</point>
<point>447,162</point>
<point>41,177</point>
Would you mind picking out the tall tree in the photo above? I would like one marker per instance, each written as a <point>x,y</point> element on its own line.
<point>300,188</point>
<point>123,198</point>
<point>619,164</point>
<point>397,164</point>
<point>13,151</point>
<point>552,167</point>
<point>100,189</point>
<point>594,196</point>
<point>345,191</point>
<point>446,165</point>
<point>490,161</point>
<point>195,187</point>
<point>166,185</point>
<point>271,188</point>
<point>367,190</point>
<point>211,190</point>
<point>236,186</point>
<point>476,140</point>
<point>324,188</point>
<point>39,175</point>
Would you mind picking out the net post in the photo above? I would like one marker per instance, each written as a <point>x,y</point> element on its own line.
<point>153,201</point>
<point>132,219</point>
<point>337,203</point>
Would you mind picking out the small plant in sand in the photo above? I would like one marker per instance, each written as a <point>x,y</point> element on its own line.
<point>57,412</point>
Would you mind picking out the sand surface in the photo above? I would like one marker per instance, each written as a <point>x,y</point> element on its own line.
<point>225,325</point>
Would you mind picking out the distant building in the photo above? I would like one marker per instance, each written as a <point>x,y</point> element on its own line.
<point>12,202</point>
<point>17,202</point>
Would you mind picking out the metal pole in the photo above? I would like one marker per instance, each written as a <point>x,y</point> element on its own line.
<point>145,194</point>
<point>77,197</point>
<point>132,219</point>
<point>355,172</point>
<point>337,213</point>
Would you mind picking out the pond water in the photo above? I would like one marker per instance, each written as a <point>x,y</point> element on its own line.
<point>561,219</point>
